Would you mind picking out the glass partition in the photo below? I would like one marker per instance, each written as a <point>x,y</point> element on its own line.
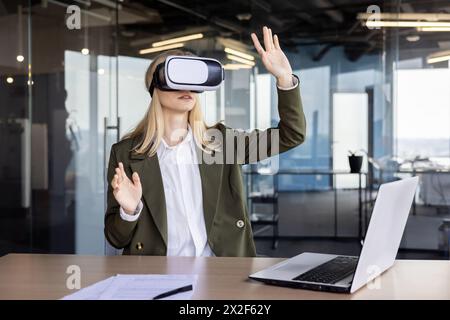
<point>72,84</point>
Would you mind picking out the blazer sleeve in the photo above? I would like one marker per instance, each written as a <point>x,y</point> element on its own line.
<point>118,231</point>
<point>289,133</point>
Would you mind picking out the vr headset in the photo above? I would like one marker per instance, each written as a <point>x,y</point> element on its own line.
<point>196,74</point>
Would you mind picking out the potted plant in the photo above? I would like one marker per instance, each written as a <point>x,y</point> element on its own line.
<point>355,161</point>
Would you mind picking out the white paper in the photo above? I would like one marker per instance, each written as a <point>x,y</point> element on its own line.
<point>136,287</point>
<point>91,292</point>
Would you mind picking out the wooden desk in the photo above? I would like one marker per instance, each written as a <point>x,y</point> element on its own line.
<point>26,276</point>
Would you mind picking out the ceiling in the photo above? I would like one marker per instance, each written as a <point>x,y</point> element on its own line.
<point>326,23</point>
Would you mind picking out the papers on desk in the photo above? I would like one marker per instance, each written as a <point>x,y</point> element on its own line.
<point>136,287</point>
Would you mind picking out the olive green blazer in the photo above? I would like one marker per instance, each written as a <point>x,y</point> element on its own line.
<point>224,204</point>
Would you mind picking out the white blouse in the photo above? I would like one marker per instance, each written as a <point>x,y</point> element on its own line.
<point>184,199</point>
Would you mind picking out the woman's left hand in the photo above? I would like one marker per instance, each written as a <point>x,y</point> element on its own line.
<point>273,57</point>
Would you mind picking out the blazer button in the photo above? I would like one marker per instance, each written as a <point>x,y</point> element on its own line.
<point>240,223</point>
<point>139,246</point>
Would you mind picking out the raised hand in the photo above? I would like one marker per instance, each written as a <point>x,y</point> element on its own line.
<point>127,192</point>
<point>273,57</point>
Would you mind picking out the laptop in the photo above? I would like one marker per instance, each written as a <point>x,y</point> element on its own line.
<point>346,274</point>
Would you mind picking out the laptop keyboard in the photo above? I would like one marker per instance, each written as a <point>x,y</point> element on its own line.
<point>331,271</point>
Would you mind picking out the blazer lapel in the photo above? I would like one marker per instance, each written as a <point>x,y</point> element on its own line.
<point>152,189</point>
<point>211,175</point>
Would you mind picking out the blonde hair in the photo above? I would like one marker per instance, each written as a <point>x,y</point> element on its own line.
<point>149,131</point>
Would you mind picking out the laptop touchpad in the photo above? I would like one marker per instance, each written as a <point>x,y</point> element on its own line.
<point>300,264</point>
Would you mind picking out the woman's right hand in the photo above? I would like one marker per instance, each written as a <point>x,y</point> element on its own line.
<point>127,192</point>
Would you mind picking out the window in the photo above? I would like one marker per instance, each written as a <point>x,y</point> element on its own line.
<point>422,113</point>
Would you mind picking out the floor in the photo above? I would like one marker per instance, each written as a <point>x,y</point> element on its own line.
<point>291,247</point>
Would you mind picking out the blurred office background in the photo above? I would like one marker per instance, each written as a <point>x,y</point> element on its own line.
<point>381,91</point>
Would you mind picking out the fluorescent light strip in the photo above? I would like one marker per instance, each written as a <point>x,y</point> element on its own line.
<point>404,16</point>
<point>239,54</point>
<point>151,50</point>
<point>433,29</point>
<point>241,60</point>
<point>236,66</point>
<point>179,39</point>
<point>405,24</point>
<point>438,59</point>
<point>439,56</point>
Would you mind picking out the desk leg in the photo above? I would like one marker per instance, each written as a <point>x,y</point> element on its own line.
<point>414,199</point>
<point>366,204</point>
<point>360,207</point>
<point>335,206</point>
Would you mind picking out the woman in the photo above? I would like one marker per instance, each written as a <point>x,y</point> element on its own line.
<point>159,205</point>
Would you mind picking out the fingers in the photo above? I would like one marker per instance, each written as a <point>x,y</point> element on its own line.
<point>270,42</point>
<point>257,45</point>
<point>276,42</point>
<point>119,175</point>
<point>136,179</point>
<point>271,39</point>
<point>124,175</point>
<point>267,40</point>
<point>114,182</point>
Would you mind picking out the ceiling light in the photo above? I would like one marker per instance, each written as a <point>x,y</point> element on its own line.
<point>405,20</point>
<point>10,80</point>
<point>20,58</point>
<point>101,71</point>
<point>244,16</point>
<point>238,59</point>
<point>179,39</point>
<point>128,34</point>
<point>151,50</point>
<point>413,38</point>
<point>438,57</point>
<point>239,54</point>
<point>433,29</point>
<point>404,16</point>
<point>404,24</point>
<point>85,51</point>
<point>236,66</point>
